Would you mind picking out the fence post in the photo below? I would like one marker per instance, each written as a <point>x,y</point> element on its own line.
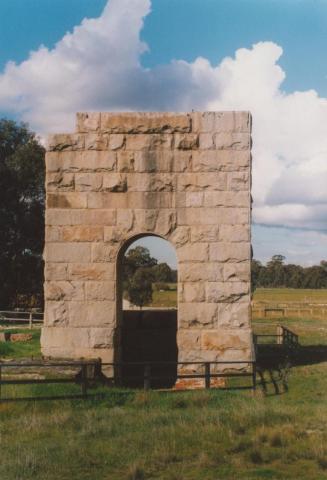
<point>31,320</point>
<point>0,380</point>
<point>84,380</point>
<point>280,339</point>
<point>254,375</point>
<point>147,377</point>
<point>207,374</point>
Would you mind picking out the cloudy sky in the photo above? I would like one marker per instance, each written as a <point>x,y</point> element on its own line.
<point>267,56</point>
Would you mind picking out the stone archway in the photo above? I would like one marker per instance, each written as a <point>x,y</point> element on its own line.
<point>147,335</point>
<point>184,177</point>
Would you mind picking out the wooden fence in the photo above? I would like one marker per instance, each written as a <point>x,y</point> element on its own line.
<point>87,374</point>
<point>296,310</point>
<point>21,317</point>
<point>282,336</point>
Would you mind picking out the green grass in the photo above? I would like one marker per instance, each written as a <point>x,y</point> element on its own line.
<point>165,298</point>
<point>207,435</point>
<point>21,349</point>
<point>158,435</point>
<point>280,295</point>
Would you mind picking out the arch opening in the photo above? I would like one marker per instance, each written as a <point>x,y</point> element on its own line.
<point>147,311</point>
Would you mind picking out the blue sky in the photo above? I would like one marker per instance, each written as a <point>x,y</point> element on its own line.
<point>294,60</point>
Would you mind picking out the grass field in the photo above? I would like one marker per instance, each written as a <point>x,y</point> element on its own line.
<point>292,295</point>
<point>207,435</point>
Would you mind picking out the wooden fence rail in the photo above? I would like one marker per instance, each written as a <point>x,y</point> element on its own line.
<point>15,316</point>
<point>83,378</point>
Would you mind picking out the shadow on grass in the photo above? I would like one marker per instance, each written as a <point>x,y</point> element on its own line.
<point>274,364</point>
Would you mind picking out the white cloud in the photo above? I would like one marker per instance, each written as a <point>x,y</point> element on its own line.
<point>98,67</point>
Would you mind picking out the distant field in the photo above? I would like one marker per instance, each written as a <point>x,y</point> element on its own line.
<point>280,295</point>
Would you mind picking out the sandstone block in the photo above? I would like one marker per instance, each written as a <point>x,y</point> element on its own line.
<point>125,161</point>
<point>205,233</point>
<point>201,181</point>
<point>197,315</point>
<point>195,252</point>
<point>180,236</point>
<point>234,315</point>
<point>102,338</point>
<point>85,161</point>
<point>182,161</point>
<point>64,290</point>
<point>189,339</point>
<point>197,272</point>
<point>234,233</point>
<point>63,141</point>
<point>56,313</point>
<point>52,234</point>
<point>193,292</point>
<point>88,182</point>
<point>92,314</point>
<point>89,271</point>
<point>103,252</point>
<point>233,140</point>
<point>55,271</point>
<point>238,181</point>
<point>114,182</point>
<point>144,123</point>
<point>88,122</point>
<point>221,160</point>
<point>67,252</point>
<point>226,199</point>
<point>116,141</point>
<point>100,290</point>
<point>66,200</point>
<point>103,200</point>
<point>206,141</point>
<point>219,292</point>
<point>153,161</point>
<point>222,339</point>
<point>194,199</point>
<point>96,141</point>
<point>82,234</point>
<point>59,181</point>
<point>166,222</point>
<point>148,142</point>
<point>153,182</point>
<point>93,217</point>
<point>237,272</point>
<point>125,220</point>
<point>186,141</point>
<point>221,121</point>
<point>229,252</point>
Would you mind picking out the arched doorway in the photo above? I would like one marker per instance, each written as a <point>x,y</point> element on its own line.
<point>147,311</point>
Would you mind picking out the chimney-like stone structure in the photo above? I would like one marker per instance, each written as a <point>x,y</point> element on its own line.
<point>183,177</point>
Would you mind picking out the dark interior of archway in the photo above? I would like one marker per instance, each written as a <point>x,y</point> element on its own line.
<point>148,335</point>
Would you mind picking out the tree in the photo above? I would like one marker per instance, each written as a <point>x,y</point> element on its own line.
<point>135,258</point>
<point>21,213</point>
<point>139,289</point>
<point>162,273</point>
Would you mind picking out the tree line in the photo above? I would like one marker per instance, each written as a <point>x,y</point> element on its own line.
<point>277,273</point>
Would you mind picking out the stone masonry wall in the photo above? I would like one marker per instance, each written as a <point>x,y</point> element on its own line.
<point>183,177</point>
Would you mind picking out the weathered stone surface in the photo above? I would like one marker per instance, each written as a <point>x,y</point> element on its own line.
<point>66,200</point>
<point>82,234</point>
<point>198,315</point>
<point>182,177</point>
<point>64,290</point>
<point>88,182</point>
<point>145,122</point>
<point>115,182</point>
<point>234,315</point>
<point>221,160</point>
<point>229,252</point>
<point>87,122</point>
<point>221,121</point>
<point>218,292</point>
<point>89,271</point>
<point>100,291</point>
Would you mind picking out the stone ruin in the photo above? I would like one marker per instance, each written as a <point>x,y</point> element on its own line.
<point>183,177</point>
